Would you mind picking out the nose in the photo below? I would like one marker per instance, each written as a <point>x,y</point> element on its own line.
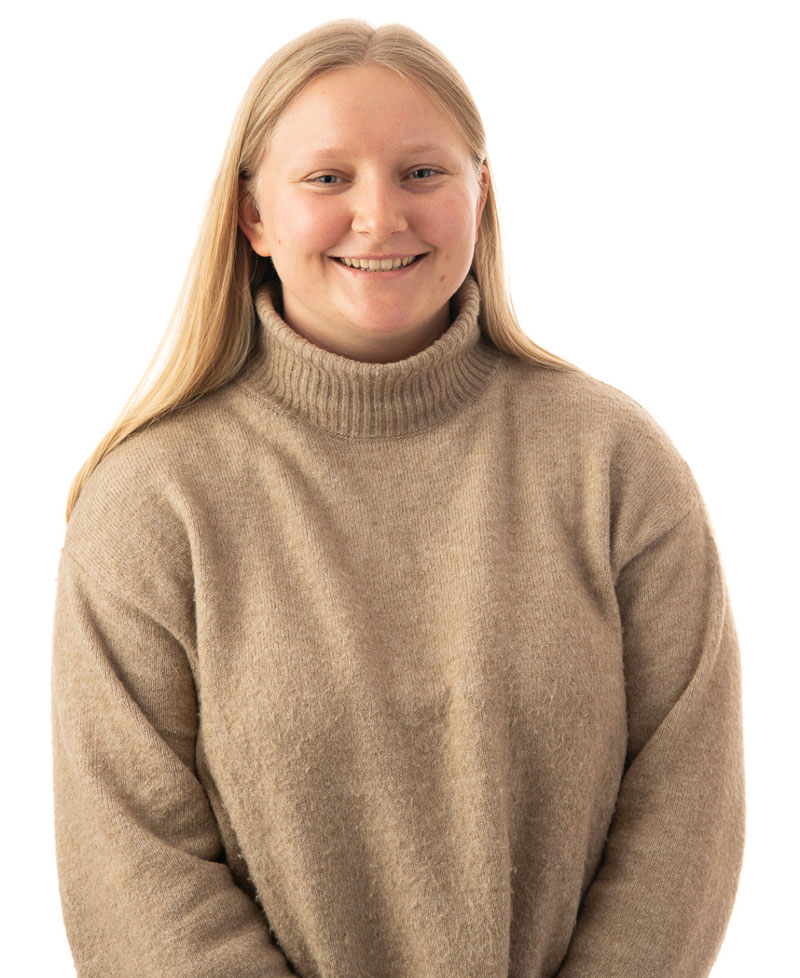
<point>378,209</point>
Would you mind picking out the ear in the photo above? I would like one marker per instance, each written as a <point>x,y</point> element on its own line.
<point>484,193</point>
<point>251,224</point>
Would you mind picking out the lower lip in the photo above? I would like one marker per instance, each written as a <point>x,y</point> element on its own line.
<point>380,276</point>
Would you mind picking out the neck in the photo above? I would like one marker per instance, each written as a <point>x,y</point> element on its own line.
<point>359,399</point>
<point>367,346</point>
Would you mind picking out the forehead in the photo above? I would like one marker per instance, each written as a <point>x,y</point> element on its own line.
<point>364,107</point>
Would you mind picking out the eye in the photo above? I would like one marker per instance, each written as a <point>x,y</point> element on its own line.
<point>331,179</point>
<point>325,179</point>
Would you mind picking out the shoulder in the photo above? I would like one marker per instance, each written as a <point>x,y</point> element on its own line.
<point>132,525</point>
<point>580,400</point>
<point>614,442</point>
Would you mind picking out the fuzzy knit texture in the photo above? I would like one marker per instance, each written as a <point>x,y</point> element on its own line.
<point>423,669</point>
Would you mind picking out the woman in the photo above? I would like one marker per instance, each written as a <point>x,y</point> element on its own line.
<point>386,642</point>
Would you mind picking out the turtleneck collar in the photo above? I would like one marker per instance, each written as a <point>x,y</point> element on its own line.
<point>368,400</point>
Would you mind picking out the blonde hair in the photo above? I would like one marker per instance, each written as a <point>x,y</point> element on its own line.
<point>213,324</point>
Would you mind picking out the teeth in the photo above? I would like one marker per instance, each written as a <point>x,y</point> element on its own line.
<point>374,265</point>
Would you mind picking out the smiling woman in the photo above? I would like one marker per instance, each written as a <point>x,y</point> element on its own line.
<point>387,643</point>
<point>404,219</point>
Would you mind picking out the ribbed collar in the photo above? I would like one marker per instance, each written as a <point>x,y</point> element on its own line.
<point>369,400</point>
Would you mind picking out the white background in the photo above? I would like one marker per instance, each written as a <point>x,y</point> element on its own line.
<point>647,167</point>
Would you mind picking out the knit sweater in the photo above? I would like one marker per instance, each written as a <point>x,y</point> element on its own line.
<point>423,669</point>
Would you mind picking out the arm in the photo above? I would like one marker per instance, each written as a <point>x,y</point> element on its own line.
<point>144,885</point>
<point>660,902</point>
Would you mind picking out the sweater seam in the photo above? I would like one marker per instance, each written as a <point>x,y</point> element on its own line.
<point>696,502</point>
<point>118,591</point>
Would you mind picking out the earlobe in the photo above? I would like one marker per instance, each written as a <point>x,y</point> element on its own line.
<point>251,225</point>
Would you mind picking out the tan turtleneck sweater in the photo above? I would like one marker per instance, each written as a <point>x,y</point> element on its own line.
<point>422,669</point>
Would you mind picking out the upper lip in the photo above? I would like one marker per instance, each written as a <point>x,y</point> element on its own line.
<point>399,254</point>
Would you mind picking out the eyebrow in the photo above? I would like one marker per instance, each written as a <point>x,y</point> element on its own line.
<point>414,148</point>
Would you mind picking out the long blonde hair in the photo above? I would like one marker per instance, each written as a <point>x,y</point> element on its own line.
<point>212,327</point>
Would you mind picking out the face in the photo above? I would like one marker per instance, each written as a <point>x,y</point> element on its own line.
<point>362,165</point>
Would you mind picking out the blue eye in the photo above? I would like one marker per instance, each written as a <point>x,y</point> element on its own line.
<point>330,179</point>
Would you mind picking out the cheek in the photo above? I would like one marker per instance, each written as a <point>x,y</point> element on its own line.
<point>305,226</point>
<point>452,222</point>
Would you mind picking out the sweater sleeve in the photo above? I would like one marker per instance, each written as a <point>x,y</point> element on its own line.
<point>145,887</point>
<point>661,899</point>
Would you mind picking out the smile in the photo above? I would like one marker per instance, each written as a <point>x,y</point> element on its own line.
<point>380,266</point>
